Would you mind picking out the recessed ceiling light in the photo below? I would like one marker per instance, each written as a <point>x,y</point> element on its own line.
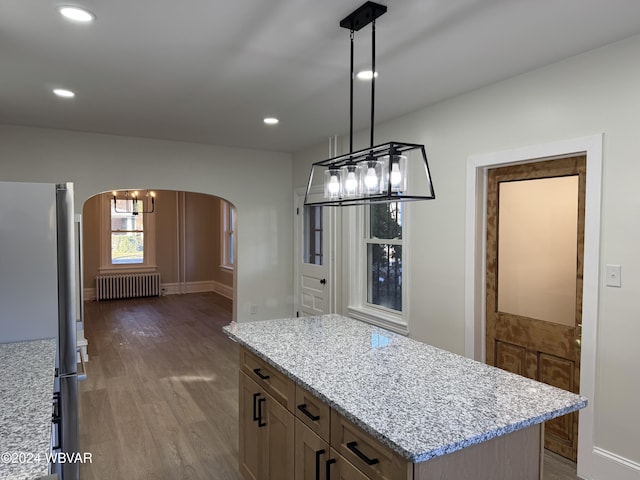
<point>366,75</point>
<point>64,93</point>
<point>271,121</point>
<point>76,13</point>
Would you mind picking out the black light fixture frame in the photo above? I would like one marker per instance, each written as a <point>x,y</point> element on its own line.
<point>134,200</point>
<point>364,15</point>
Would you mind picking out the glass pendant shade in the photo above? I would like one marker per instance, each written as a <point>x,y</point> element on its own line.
<point>397,173</point>
<point>350,180</point>
<point>332,186</point>
<point>372,176</point>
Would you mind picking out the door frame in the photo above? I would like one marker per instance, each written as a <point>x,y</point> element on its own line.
<point>329,219</point>
<point>475,246</point>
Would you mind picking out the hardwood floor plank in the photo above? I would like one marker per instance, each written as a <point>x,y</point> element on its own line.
<point>161,397</point>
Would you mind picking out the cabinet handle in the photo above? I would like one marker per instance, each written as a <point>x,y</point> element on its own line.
<point>369,461</point>
<point>260,402</point>
<point>328,464</point>
<point>255,411</point>
<point>319,453</point>
<point>303,409</point>
<point>260,374</point>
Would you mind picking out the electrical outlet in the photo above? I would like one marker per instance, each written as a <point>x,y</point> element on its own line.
<point>253,310</point>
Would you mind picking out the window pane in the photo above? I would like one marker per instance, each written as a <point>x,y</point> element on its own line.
<point>312,248</point>
<point>231,259</point>
<point>126,221</point>
<point>537,258</point>
<point>386,221</point>
<point>127,247</point>
<point>384,271</point>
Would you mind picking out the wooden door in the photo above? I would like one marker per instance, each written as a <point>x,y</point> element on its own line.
<point>278,445</point>
<point>534,279</point>
<point>311,454</point>
<point>249,434</point>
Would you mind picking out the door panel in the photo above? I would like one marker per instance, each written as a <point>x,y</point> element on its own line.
<point>534,278</point>
<point>313,282</point>
<point>249,435</point>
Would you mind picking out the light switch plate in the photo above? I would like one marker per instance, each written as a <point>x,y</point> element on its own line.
<point>613,273</point>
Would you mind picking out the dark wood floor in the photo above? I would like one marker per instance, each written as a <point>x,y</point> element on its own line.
<point>161,397</point>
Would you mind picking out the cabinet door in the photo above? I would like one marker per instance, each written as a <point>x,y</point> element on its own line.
<point>341,469</point>
<point>311,454</point>
<point>249,434</point>
<point>278,445</point>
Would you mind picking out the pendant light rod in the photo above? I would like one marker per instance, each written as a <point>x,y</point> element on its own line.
<point>351,100</point>
<point>373,77</point>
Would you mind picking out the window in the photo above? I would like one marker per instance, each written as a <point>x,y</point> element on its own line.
<point>127,240</point>
<point>312,250</point>
<point>228,235</point>
<point>383,250</point>
<point>378,265</point>
<point>127,234</point>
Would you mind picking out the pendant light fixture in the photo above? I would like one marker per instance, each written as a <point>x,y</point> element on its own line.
<point>134,202</point>
<point>390,172</point>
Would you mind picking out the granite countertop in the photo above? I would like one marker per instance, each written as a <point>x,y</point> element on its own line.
<point>26,391</point>
<point>419,400</point>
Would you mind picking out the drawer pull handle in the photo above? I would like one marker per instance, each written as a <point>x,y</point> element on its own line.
<point>319,453</point>
<point>260,422</point>
<point>328,464</point>
<point>369,461</point>
<point>260,374</point>
<point>303,409</point>
<point>255,411</point>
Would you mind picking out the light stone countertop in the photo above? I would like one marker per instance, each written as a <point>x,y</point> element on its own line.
<point>419,400</point>
<point>27,372</point>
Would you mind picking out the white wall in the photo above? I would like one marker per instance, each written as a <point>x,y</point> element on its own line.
<point>258,183</point>
<point>589,94</point>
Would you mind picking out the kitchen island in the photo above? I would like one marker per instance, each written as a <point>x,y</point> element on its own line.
<point>26,391</point>
<point>395,407</point>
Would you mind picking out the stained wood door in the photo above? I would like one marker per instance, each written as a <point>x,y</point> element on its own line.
<point>534,279</point>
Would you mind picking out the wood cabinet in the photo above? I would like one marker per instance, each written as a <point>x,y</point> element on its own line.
<point>287,433</point>
<point>266,434</point>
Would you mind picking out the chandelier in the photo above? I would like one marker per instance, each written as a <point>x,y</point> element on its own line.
<point>134,202</point>
<point>389,172</point>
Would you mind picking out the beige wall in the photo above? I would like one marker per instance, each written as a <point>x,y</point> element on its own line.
<point>188,247</point>
<point>597,92</point>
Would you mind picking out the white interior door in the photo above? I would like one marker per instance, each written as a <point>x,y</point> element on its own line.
<point>313,259</point>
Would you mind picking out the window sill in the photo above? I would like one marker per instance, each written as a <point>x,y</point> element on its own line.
<point>395,323</point>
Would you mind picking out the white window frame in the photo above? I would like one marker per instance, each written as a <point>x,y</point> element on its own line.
<point>358,306</point>
<point>149,229</point>
<point>228,215</point>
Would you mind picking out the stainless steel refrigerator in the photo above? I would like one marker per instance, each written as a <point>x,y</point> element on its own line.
<point>38,291</point>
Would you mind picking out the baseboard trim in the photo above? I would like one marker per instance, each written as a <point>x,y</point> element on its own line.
<point>609,465</point>
<point>179,288</point>
<point>224,290</point>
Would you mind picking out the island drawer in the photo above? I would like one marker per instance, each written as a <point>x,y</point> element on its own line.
<point>376,460</point>
<point>313,412</point>
<point>281,387</point>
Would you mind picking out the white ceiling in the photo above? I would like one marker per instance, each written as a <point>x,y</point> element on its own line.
<point>208,71</point>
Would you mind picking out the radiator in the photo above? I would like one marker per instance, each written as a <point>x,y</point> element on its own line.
<point>127,285</point>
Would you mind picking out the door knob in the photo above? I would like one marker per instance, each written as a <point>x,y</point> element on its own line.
<point>323,281</point>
